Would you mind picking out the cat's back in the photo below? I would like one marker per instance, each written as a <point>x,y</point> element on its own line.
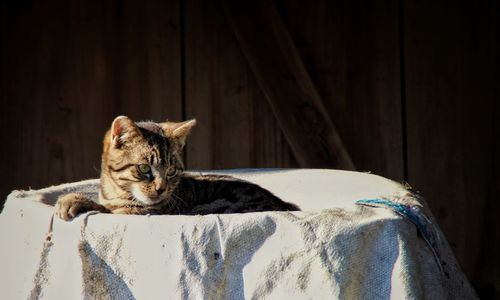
<point>211,194</point>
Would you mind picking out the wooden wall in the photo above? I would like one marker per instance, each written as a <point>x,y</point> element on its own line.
<point>451,74</point>
<point>410,85</point>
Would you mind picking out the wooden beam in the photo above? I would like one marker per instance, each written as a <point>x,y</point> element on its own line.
<point>238,129</point>
<point>283,78</point>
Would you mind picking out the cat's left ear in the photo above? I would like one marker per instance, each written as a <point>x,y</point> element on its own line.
<point>123,129</point>
<point>178,131</point>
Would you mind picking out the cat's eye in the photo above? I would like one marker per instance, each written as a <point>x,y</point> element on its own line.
<point>171,172</point>
<point>144,169</point>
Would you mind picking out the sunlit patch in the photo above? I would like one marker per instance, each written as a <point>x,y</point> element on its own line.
<point>139,196</point>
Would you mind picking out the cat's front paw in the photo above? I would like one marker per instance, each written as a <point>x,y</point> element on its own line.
<point>70,205</point>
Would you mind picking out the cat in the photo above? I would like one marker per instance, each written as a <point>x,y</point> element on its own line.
<point>142,173</point>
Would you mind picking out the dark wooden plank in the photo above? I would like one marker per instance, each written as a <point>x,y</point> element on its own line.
<point>88,83</point>
<point>216,91</point>
<point>58,83</point>
<point>286,84</point>
<point>269,148</point>
<point>452,86</point>
<point>33,68</point>
<point>491,233</point>
<point>234,121</point>
<point>67,68</point>
<point>148,62</point>
<point>16,62</point>
<point>351,51</point>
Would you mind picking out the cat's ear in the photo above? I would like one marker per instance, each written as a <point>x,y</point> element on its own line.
<point>123,129</point>
<point>178,131</point>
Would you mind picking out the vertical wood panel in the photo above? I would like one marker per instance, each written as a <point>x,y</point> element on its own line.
<point>88,82</point>
<point>270,148</point>
<point>16,63</point>
<point>34,98</point>
<point>55,91</point>
<point>288,88</point>
<point>217,91</point>
<point>351,50</point>
<point>148,62</point>
<point>490,236</point>
<point>451,62</point>
<point>234,120</point>
<point>67,68</point>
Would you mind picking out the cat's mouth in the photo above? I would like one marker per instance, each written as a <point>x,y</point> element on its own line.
<point>155,200</point>
<point>146,200</point>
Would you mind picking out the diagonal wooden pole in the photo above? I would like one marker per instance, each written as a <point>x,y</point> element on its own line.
<point>282,76</point>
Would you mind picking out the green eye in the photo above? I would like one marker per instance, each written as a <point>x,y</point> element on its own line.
<point>171,172</point>
<point>144,169</point>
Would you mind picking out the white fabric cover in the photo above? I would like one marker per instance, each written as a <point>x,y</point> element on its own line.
<point>333,249</point>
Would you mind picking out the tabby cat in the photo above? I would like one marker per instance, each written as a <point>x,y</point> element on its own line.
<point>142,173</point>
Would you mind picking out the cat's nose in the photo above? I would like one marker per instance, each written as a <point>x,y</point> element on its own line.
<point>159,186</point>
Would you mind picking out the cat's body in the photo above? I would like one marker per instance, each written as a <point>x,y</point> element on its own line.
<point>142,173</point>
<point>208,194</point>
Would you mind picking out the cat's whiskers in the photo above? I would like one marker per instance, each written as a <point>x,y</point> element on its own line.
<point>136,201</point>
<point>169,205</point>
<point>178,198</point>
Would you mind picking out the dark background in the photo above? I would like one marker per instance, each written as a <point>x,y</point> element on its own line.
<point>410,85</point>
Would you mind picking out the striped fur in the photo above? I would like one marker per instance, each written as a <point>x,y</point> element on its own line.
<point>165,189</point>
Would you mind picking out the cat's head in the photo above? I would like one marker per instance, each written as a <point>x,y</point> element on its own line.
<point>143,161</point>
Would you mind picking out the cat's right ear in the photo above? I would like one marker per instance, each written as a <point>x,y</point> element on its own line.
<point>123,129</point>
